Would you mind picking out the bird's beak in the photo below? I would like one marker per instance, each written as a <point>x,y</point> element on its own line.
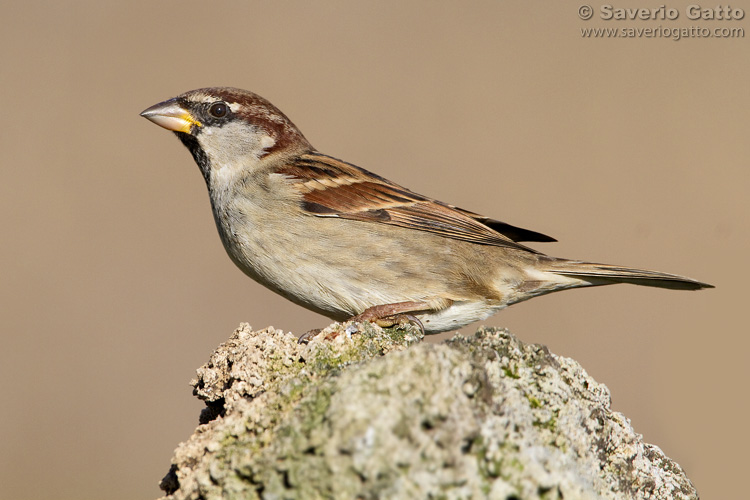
<point>172,116</point>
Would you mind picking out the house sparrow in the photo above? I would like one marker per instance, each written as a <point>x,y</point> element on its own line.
<point>347,243</point>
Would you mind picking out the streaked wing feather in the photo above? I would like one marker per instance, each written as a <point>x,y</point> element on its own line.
<point>513,232</point>
<point>333,188</point>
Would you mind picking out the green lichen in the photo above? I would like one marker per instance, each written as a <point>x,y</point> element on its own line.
<point>367,342</point>
<point>550,423</point>
<point>511,372</point>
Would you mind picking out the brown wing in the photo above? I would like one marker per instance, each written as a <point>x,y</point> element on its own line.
<point>333,188</point>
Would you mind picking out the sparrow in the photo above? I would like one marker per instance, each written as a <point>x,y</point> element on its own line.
<point>349,244</point>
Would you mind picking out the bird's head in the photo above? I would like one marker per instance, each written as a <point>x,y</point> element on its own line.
<point>225,127</point>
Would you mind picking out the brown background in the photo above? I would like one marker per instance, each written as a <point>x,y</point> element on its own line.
<point>115,287</point>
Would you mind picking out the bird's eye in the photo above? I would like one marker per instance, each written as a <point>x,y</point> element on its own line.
<point>218,110</point>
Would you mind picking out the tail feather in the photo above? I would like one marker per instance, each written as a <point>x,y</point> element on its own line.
<point>606,274</point>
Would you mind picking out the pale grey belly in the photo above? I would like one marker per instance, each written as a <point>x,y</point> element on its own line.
<point>350,268</point>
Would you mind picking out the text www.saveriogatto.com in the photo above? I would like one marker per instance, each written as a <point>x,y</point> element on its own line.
<point>720,22</point>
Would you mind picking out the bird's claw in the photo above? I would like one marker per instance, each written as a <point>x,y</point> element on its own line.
<point>305,337</point>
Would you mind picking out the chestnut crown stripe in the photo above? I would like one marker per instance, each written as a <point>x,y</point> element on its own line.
<point>253,108</point>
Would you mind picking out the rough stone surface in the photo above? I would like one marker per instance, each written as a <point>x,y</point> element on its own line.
<point>362,412</point>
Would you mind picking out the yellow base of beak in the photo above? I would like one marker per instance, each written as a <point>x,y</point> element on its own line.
<point>170,115</point>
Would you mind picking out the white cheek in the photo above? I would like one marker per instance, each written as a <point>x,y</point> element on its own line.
<point>234,150</point>
<point>233,142</point>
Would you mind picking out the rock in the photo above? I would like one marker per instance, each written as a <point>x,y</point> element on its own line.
<point>362,412</point>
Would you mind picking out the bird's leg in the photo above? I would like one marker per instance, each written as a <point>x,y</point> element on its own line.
<point>384,315</point>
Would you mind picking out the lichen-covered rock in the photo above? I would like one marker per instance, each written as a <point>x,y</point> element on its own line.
<point>480,417</point>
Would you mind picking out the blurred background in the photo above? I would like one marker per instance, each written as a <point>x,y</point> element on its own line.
<point>115,286</point>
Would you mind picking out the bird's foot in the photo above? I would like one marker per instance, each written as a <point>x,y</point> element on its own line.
<point>388,315</point>
<point>384,315</point>
<point>305,337</point>
<point>397,320</point>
